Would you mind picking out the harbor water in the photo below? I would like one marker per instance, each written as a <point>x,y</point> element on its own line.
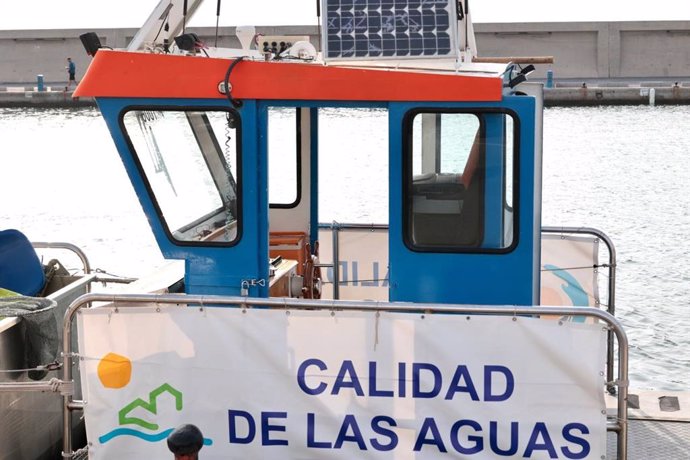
<point>623,170</point>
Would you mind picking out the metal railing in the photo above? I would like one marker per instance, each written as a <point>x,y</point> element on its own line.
<point>611,302</point>
<point>337,227</point>
<point>67,246</point>
<point>619,425</point>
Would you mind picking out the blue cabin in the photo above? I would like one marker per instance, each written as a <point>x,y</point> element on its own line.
<point>229,181</point>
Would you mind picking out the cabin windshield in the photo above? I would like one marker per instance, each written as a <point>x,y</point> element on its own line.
<point>189,160</point>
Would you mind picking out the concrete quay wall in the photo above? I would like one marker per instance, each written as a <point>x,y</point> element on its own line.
<point>595,50</point>
<point>582,50</point>
<point>619,61</point>
<point>24,54</point>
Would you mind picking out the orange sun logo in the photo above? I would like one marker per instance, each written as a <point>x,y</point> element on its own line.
<point>114,371</point>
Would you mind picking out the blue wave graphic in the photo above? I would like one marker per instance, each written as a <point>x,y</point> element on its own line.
<point>153,437</point>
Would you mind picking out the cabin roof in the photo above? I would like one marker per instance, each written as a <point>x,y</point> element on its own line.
<point>134,74</point>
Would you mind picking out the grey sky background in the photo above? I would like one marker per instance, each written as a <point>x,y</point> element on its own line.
<point>50,14</point>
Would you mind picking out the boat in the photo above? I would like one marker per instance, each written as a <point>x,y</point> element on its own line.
<point>36,293</point>
<point>462,327</point>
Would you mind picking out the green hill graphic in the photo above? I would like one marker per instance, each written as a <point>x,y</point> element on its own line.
<point>150,406</point>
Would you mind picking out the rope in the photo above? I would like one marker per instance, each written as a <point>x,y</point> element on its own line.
<point>584,267</point>
<point>236,103</point>
<point>54,366</point>
<point>54,384</point>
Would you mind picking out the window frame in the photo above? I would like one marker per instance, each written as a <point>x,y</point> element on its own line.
<point>298,162</point>
<point>152,196</point>
<point>407,179</point>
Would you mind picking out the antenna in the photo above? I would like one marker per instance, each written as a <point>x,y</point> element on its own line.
<point>467,19</point>
<point>318,21</point>
<point>215,44</point>
<point>169,16</point>
<point>184,16</point>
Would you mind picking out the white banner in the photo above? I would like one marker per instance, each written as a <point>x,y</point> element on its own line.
<point>363,254</point>
<point>344,385</point>
<point>568,276</point>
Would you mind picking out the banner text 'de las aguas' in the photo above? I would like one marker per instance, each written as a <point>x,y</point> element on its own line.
<point>265,383</point>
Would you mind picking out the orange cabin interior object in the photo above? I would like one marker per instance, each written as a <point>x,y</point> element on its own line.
<point>289,245</point>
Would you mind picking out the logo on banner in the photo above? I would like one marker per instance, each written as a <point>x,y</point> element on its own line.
<point>575,294</point>
<point>115,372</point>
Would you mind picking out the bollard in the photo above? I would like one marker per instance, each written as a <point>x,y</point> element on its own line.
<point>549,78</point>
<point>39,82</point>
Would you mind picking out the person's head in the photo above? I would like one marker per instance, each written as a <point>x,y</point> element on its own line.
<point>69,59</point>
<point>185,442</point>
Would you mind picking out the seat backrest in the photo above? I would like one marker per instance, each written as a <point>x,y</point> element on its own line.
<point>20,269</point>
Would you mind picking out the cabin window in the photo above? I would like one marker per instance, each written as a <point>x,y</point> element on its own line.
<point>459,181</point>
<point>190,162</point>
<point>353,144</point>
<point>284,151</point>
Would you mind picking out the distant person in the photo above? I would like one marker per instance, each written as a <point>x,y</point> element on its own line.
<point>71,70</point>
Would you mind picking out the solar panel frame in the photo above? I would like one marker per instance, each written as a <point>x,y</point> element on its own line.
<point>388,29</point>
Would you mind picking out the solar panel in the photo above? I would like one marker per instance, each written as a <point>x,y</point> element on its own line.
<point>388,29</point>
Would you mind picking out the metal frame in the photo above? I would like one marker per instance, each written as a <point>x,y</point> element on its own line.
<point>336,227</point>
<point>517,267</point>
<point>619,425</point>
<point>67,246</point>
<point>611,304</point>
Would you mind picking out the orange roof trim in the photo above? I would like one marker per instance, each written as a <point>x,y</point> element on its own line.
<point>127,74</point>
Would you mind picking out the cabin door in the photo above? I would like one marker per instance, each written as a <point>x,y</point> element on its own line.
<point>196,168</point>
<point>288,145</point>
<point>287,140</point>
<point>288,137</point>
<point>464,212</point>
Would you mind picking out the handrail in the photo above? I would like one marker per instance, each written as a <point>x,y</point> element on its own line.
<point>67,246</point>
<point>619,425</point>
<point>611,304</point>
<point>337,227</point>
<point>611,307</point>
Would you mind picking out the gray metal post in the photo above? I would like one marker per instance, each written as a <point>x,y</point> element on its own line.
<point>335,229</point>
